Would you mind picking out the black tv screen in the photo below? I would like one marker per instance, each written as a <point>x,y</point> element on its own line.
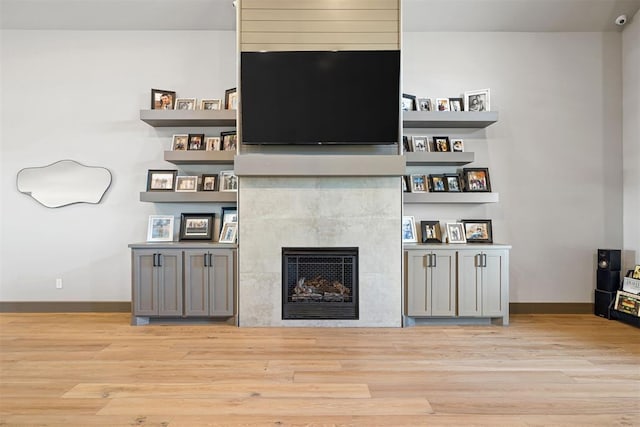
<point>343,97</point>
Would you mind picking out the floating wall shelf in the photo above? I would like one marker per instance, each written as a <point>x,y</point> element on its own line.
<point>200,157</point>
<point>451,197</point>
<point>188,196</point>
<point>186,118</point>
<point>448,119</point>
<point>438,159</point>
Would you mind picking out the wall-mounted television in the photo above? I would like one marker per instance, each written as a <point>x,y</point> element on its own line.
<point>313,97</point>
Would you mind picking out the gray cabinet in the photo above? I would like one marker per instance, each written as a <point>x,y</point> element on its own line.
<point>208,282</point>
<point>157,282</point>
<point>431,283</point>
<point>482,282</point>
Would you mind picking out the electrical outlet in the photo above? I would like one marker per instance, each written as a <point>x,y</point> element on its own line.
<point>58,283</point>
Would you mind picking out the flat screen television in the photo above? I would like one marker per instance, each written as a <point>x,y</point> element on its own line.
<point>312,97</point>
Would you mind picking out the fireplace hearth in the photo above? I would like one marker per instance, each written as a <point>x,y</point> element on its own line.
<point>320,283</point>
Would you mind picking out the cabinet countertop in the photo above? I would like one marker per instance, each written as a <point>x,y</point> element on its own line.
<point>194,244</point>
<point>453,246</point>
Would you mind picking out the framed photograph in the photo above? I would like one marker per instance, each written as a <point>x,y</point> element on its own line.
<point>437,183</point>
<point>419,184</point>
<point>441,144</point>
<point>478,230</point>
<point>210,104</point>
<point>457,145</point>
<point>628,303</point>
<point>229,214</point>
<point>409,230</point>
<point>420,143</point>
<point>405,187</point>
<point>477,100</point>
<point>196,141</point>
<point>180,142</point>
<point>408,102</point>
<point>160,228</point>
<point>163,99</point>
<point>209,182</point>
<point>431,232</point>
<point>636,272</point>
<point>406,145</point>
<point>185,104</point>
<point>476,179</point>
<point>456,104</point>
<point>228,233</point>
<point>228,181</point>
<point>442,104</point>
<point>212,143</point>
<point>231,99</point>
<point>455,232</point>
<point>229,140</point>
<point>452,182</point>
<point>424,104</point>
<point>195,226</point>
<point>161,179</point>
<point>187,183</point>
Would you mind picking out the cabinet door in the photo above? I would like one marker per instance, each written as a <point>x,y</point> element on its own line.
<point>170,283</point>
<point>493,282</point>
<point>196,283</point>
<point>144,283</point>
<point>442,283</point>
<point>221,279</point>
<point>418,293</point>
<point>469,284</point>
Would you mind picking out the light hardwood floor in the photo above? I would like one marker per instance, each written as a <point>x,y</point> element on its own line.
<point>96,369</point>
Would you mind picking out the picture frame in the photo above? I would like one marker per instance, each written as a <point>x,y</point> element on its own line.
<point>477,100</point>
<point>196,142</point>
<point>229,233</point>
<point>437,183</point>
<point>228,214</point>
<point>452,182</point>
<point>212,143</point>
<point>180,142</point>
<point>185,104</point>
<point>441,144</point>
<point>419,184</point>
<point>408,102</point>
<point>160,228</point>
<point>636,272</point>
<point>228,181</point>
<point>628,303</point>
<point>476,180</point>
<point>231,99</point>
<point>478,230</point>
<point>409,230</point>
<point>196,226</point>
<point>430,232</point>
<point>209,182</point>
<point>424,104</point>
<point>457,145</point>
<point>229,140</point>
<point>210,104</point>
<point>420,143</point>
<point>405,187</point>
<point>163,99</point>
<point>406,144</point>
<point>442,104</point>
<point>456,104</point>
<point>185,184</point>
<point>455,232</point>
<point>161,179</point>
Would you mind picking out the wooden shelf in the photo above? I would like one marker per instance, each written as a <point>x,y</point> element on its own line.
<point>438,159</point>
<point>188,197</point>
<point>188,118</point>
<point>451,197</point>
<point>448,119</point>
<point>200,157</point>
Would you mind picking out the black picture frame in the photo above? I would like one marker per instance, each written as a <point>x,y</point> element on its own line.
<point>408,102</point>
<point>441,144</point>
<point>227,214</point>
<point>156,99</point>
<point>476,180</point>
<point>231,99</point>
<point>430,232</point>
<point>196,142</point>
<point>161,179</point>
<point>228,140</point>
<point>437,183</point>
<point>456,104</point>
<point>478,230</point>
<point>452,182</point>
<point>209,182</point>
<point>197,226</point>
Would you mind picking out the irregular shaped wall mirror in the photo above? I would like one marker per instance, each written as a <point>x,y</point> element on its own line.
<point>64,182</point>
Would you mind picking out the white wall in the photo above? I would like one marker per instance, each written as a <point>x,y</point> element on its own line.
<point>77,95</point>
<point>554,156</point>
<point>631,136</point>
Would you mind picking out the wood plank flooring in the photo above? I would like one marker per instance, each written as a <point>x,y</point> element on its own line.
<point>97,370</point>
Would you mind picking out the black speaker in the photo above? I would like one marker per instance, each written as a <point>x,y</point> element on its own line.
<point>608,280</point>
<point>602,303</point>
<point>609,259</point>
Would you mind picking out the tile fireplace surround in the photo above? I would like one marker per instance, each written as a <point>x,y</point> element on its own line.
<point>318,211</point>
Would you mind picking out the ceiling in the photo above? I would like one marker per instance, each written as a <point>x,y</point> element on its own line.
<point>418,15</point>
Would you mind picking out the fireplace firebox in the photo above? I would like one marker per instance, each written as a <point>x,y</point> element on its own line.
<point>320,283</point>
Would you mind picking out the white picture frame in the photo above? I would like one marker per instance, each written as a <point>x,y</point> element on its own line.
<point>212,143</point>
<point>210,104</point>
<point>424,104</point>
<point>477,100</point>
<point>442,104</point>
<point>180,142</point>
<point>229,232</point>
<point>455,232</point>
<point>419,184</point>
<point>420,143</point>
<point>185,104</point>
<point>228,181</point>
<point>409,234</point>
<point>160,228</point>
<point>185,184</point>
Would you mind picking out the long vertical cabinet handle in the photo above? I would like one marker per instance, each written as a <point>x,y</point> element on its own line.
<point>428,259</point>
<point>210,260</point>
<point>155,264</point>
<point>484,260</point>
<point>159,260</point>
<point>205,260</point>
<point>434,260</point>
